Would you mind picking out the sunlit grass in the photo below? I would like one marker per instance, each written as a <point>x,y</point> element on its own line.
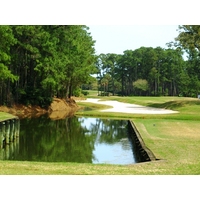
<point>5,116</point>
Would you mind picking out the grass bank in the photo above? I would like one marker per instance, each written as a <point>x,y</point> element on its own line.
<point>173,138</point>
<point>5,116</point>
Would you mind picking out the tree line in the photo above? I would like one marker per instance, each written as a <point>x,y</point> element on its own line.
<point>40,62</point>
<point>154,71</point>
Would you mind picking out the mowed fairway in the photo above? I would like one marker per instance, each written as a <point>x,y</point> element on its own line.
<point>173,138</point>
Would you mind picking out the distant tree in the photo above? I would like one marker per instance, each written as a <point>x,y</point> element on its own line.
<point>189,37</point>
<point>189,40</point>
<point>141,85</point>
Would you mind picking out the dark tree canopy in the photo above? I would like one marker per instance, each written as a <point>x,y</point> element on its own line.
<point>40,62</point>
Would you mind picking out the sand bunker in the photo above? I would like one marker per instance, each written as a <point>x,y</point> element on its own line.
<point>129,108</point>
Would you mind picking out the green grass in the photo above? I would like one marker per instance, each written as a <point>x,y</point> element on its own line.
<point>91,106</point>
<point>5,116</point>
<point>92,93</point>
<point>173,138</point>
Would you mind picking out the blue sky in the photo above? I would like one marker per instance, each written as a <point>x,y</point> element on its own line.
<point>118,38</point>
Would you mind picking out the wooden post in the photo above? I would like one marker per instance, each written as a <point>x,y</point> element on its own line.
<point>17,126</point>
<point>1,136</point>
<point>12,129</point>
<point>16,140</point>
<point>3,133</point>
<point>7,152</point>
<point>17,146</point>
<point>11,150</point>
<point>7,132</point>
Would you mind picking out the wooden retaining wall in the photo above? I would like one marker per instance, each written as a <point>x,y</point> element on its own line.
<point>9,131</point>
<point>142,152</point>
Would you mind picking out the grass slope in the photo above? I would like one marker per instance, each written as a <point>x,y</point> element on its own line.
<point>5,116</point>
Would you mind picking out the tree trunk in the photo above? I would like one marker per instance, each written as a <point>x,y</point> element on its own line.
<point>70,90</point>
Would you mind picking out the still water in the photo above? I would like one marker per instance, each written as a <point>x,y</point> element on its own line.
<point>75,139</point>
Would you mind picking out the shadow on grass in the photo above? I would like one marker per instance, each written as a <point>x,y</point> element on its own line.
<point>175,104</point>
<point>84,107</point>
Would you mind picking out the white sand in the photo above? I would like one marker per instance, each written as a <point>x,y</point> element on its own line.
<point>129,108</point>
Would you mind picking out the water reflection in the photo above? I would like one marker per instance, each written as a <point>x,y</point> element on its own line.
<point>74,139</point>
<point>9,139</point>
<point>111,142</point>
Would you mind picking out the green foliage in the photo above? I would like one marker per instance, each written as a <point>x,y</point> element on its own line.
<point>6,41</point>
<point>77,92</point>
<point>188,37</point>
<point>47,60</point>
<point>32,96</point>
<point>141,84</point>
<point>85,93</point>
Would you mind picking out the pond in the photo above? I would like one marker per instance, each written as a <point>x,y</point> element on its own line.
<point>74,139</point>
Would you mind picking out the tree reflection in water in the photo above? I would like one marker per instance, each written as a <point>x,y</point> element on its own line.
<point>75,139</point>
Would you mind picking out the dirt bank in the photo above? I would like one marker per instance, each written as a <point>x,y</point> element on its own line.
<point>58,109</point>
